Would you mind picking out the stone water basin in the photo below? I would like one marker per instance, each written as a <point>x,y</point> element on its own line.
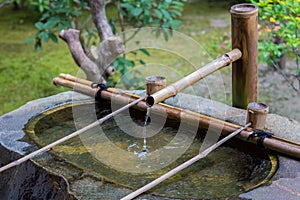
<point>110,157</point>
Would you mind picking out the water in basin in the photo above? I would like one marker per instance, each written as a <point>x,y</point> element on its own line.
<point>230,170</point>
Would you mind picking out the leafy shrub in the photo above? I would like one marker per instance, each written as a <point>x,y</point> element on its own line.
<point>279,29</point>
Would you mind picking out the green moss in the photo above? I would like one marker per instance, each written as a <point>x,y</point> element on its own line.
<point>26,74</point>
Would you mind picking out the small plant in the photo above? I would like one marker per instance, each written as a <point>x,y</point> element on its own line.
<point>279,28</point>
<point>57,16</point>
<point>279,31</point>
<point>130,80</point>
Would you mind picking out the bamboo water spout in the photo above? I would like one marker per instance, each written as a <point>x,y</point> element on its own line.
<point>192,78</point>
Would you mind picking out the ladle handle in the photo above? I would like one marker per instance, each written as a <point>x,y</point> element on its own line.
<point>184,165</point>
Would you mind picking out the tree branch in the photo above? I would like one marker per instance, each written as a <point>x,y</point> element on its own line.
<point>102,56</point>
<point>99,17</point>
<point>4,3</point>
<point>107,52</point>
<point>95,62</point>
<point>90,68</point>
<point>132,36</point>
<point>285,77</point>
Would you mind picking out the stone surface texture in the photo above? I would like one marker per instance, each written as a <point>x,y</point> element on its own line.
<point>284,185</point>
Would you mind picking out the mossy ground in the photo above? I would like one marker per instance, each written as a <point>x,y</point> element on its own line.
<point>25,73</point>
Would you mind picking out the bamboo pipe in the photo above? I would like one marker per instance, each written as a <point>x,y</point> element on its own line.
<point>83,81</point>
<point>75,79</point>
<point>84,87</point>
<point>72,135</point>
<point>192,78</point>
<point>245,70</point>
<point>183,165</point>
<point>274,143</point>
<point>77,86</point>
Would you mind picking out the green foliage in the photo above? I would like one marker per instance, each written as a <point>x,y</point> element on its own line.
<point>56,16</point>
<point>42,5</point>
<point>297,71</point>
<point>162,13</point>
<point>279,28</point>
<point>157,13</point>
<point>123,65</point>
<point>64,14</point>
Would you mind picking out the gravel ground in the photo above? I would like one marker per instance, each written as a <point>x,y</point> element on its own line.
<point>275,91</point>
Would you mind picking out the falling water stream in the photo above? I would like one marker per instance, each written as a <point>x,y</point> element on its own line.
<point>145,149</point>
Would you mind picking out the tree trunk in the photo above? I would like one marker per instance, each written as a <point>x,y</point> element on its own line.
<point>95,62</point>
<point>89,67</point>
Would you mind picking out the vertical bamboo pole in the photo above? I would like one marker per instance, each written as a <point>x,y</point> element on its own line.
<point>244,20</point>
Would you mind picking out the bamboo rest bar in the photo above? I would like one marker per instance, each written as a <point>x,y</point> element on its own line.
<point>274,143</point>
<point>194,77</point>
